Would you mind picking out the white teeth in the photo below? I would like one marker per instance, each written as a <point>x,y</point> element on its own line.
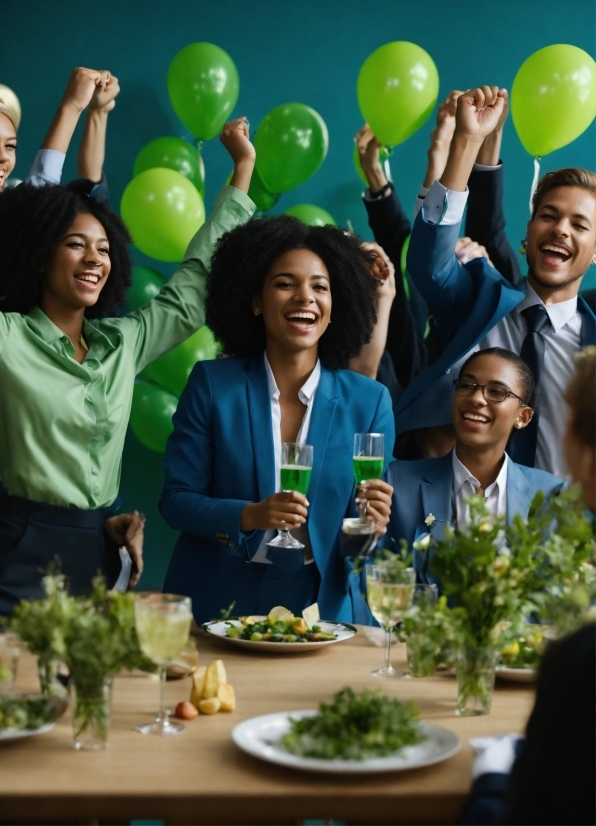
<point>554,248</point>
<point>473,418</point>
<point>303,316</point>
<point>93,279</point>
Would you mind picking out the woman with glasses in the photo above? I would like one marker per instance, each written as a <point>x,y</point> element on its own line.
<point>494,395</point>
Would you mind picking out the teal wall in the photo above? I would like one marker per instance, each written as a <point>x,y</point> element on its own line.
<point>285,50</point>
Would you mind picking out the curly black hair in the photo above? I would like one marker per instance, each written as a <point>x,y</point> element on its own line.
<point>523,371</point>
<point>242,259</point>
<point>32,221</point>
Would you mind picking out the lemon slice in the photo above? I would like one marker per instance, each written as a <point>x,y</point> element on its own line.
<point>311,615</point>
<point>251,620</point>
<point>280,614</point>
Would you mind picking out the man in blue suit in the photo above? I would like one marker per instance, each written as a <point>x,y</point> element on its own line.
<point>475,308</point>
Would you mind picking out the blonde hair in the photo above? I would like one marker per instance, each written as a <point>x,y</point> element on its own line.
<point>10,106</point>
<point>581,396</point>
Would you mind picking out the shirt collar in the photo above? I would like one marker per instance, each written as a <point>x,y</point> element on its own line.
<point>307,390</point>
<point>559,314</point>
<point>461,475</point>
<point>50,333</point>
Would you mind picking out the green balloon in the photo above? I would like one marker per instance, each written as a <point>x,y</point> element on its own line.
<point>172,153</point>
<point>310,214</point>
<point>397,90</point>
<point>173,368</point>
<point>146,283</point>
<point>402,259</point>
<point>263,199</point>
<point>162,210</point>
<point>201,188</point>
<point>203,86</point>
<point>291,144</point>
<point>151,415</point>
<point>553,98</point>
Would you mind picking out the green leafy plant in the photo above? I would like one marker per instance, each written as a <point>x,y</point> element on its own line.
<point>355,727</point>
<point>431,636</point>
<point>386,559</point>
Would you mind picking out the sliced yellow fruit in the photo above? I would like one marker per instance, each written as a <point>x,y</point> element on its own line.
<point>198,684</point>
<point>216,674</point>
<point>311,615</point>
<point>226,696</point>
<point>280,614</point>
<point>299,626</point>
<point>210,706</point>
<point>251,620</point>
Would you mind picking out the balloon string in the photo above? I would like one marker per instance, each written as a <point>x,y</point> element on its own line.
<point>534,180</point>
<point>199,146</point>
<point>387,170</point>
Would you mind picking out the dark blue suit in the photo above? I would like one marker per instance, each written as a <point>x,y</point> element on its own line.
<point>220,457</point>
<point>467,303</point>
<point>425,486</point>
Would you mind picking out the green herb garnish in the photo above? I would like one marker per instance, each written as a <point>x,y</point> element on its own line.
<point>355,727</point>
<point>18,713</point>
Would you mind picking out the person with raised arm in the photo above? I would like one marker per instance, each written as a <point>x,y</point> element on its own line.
<point>67,368</point>
<point>476,308</point>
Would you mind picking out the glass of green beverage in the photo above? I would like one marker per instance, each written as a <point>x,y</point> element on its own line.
<point>295,471</point>
<point>369,459</point>
<point>389,593</point>
<point>163,624</point>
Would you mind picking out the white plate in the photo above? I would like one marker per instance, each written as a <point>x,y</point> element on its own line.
<point>516,675</point>
<point>341,630</point>
<point>18,734</point>
<point>260,737</point>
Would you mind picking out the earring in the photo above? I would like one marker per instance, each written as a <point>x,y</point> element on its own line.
<point>257,312</point>
<point>524,247</point>
<point>518,424</point>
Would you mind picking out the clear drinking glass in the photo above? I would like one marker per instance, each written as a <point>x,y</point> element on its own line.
<point>389,594</point>
<point>421,648</point>
<point>163,624</point>
<point>10,650</point>
<point>369,459</point>
<point>295,471</point>
<point>357,538</point>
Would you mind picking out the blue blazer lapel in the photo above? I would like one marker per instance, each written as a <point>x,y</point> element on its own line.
<point>259,411</point>
<point>436,489</point>
<point>588,330</point>
<point>320,426</point>
<point>519,495</point>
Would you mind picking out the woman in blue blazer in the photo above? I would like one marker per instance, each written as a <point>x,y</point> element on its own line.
<point>291,304</point>
<point>494,394</point>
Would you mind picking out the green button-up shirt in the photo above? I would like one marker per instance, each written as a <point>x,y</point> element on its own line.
<point>62,424</point>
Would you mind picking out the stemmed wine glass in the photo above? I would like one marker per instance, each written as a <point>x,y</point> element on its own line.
<point>369,459</point>
<point>295,471</point>
<point>389,592</point>
<point>163,624</point>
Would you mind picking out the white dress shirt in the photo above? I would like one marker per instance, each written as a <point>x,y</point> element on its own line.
<point>306,394</point>
<point>562,341</point>
<point>466,485</point>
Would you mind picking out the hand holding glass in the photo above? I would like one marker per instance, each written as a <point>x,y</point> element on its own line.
<point>295,472</point>
<point>163,624</point>
<point>389,594</point>
<point>369,460</point>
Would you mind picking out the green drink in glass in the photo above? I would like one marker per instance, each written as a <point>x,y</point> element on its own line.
<point>368,460</point>
<point>367,467</point>
<point>295,472</point>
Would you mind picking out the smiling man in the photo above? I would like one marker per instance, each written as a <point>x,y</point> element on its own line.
<point>475,308</point>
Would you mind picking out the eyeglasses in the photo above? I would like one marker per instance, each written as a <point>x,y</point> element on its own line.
<point>491,392</point>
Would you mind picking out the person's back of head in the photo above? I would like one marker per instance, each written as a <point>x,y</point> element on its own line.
<point>580,437</point>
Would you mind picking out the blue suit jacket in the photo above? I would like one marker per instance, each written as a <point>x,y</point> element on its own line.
<point>467,302</point>
<point>425,486</point>
<point>220,458</point>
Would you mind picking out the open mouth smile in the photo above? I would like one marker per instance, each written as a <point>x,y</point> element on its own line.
<point>89,280</point>
<point>302,320</point>
<point>474,421</point>
<point>555,254</point>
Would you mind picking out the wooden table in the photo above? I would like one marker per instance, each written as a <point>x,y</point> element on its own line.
<point>201,777</point>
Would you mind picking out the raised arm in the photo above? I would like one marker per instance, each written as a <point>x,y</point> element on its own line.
<point>178,310</point>
<point>48,163</point>
<point>93,145</point>
<point>485,219</point>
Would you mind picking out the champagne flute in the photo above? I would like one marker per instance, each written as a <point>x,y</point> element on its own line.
<point>389,593</point>
<point>369,460</point>
<point>163,624</point>
<point>295,471</point>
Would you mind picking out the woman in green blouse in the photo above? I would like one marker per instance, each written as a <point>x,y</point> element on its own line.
<point>67,369</point>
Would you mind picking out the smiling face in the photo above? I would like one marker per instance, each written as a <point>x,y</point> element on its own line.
<point>561,241</point>
<point>8,148</point>
<point>483,424</point>
<point>295,301</point>
<point>78,266</point>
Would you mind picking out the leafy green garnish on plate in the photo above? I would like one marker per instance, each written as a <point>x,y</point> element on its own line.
<point>355,727</point>
<point>30,713</point>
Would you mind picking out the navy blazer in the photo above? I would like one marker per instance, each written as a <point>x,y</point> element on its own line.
<point>220,457</point>
<point>467,302</point>
<point>425,486</point>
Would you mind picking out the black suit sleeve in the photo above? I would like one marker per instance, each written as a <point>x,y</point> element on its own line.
<point>485,221</point>
<point>407,320</point>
